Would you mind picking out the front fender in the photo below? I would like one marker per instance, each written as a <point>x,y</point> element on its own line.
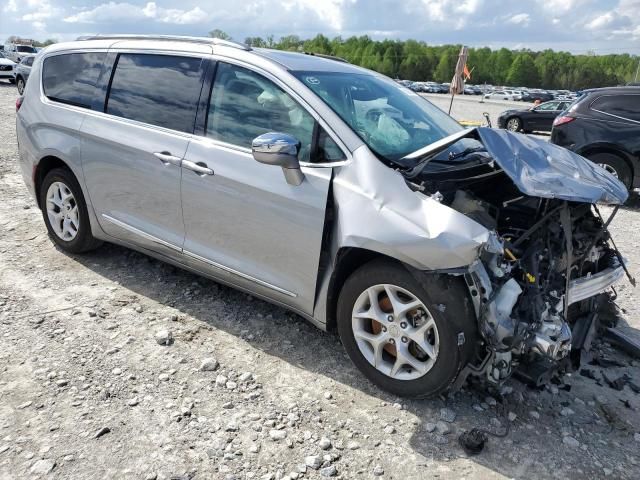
<point>377,211</point>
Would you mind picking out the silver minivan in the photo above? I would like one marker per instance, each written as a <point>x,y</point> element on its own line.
<point>436,252</point>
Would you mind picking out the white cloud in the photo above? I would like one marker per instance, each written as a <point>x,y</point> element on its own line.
<point>601,21</point>
<point>112,11</point>
<point>10,7</point>
<point>328,11</point>
<point>522,19</point>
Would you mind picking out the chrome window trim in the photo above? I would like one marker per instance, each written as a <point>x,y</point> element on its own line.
<point>87,111</point>
<point>611,114</point>
<point>214,57</point>
<point>195,256</point>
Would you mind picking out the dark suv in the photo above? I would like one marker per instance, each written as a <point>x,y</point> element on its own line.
<point>604,126</point>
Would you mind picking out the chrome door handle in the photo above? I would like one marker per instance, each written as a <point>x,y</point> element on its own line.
<point>167,158</point>
<point>199,168</point>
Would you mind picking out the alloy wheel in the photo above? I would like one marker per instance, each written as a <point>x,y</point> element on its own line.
<point>395,332</point>
<point>62,211</point>
<point>20,86</point>
<point>513,125</point>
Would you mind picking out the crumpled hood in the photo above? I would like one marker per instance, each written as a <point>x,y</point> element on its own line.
<point>542,169</point>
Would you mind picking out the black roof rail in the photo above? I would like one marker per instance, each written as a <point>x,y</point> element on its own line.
<point>174,38</point>
<point>328,57</point>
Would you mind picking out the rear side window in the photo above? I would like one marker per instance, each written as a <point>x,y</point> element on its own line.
<point>160,90</point>
<point>625,106</point>
<point>71,78</point>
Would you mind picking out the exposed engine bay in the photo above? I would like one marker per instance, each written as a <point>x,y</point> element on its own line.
<point>529,285</point>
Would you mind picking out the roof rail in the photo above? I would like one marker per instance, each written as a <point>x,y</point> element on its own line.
<point>175,38</point>
<point>328,57</point>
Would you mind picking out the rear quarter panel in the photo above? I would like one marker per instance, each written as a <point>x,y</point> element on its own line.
<point>48,129</point>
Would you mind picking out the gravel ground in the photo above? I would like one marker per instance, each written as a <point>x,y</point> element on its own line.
<point>114,365</point>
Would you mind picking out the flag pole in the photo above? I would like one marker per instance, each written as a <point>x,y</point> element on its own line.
<point>451,103</point>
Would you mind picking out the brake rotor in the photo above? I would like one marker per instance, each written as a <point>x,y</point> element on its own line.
<point>376,328</point>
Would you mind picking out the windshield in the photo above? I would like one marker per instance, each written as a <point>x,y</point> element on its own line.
<point>25,49</point>
<point>392,120</point>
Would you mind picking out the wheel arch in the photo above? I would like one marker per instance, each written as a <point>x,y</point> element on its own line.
<point>348,260</point>
<point>43,167</point>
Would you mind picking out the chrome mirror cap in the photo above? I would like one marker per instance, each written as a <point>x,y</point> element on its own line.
<point>279,149</point>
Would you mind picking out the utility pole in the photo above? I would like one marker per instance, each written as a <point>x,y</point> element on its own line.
<point>637,70</point>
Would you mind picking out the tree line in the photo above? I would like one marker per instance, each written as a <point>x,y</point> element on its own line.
<point>418,61</point>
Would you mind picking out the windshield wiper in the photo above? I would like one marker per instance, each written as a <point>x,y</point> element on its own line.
<point>465,152</point>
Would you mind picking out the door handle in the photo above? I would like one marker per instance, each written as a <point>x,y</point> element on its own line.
<point>200,168</point>
<point>167,158</point>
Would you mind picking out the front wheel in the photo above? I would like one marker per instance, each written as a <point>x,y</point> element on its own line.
<point>409,335</point>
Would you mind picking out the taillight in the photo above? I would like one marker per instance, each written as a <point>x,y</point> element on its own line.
<point>562,120</point>
<point>19,102</point>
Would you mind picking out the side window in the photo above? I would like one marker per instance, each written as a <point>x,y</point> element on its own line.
<point>245,105</point>
<point>159,90</point>
<point>328,150</point>
<point>548,106</point>
<point>625,106</point>
<point>71,78</point>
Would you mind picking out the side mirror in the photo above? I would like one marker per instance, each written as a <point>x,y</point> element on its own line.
<point>281,150</point>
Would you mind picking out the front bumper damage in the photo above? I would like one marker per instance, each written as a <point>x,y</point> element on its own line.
<point>592,285</point>
<point>549,253</point>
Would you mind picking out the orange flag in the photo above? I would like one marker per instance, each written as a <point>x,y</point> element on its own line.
<point>467,73</point>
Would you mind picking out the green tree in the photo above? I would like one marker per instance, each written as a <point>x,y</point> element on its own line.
<point>221,34</point>
<point>523,72</point>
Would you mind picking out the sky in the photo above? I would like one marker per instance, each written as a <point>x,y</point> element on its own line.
<point>579,26</point>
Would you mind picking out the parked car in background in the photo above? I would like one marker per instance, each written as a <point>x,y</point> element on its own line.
<point>500,95</point>
<point>7,68</point>
<point>22,71</point>
<point>539,118</point>
<point>275,172</point>
<point>603,125</point>
<point>532,96</point>
<point>16,52</point>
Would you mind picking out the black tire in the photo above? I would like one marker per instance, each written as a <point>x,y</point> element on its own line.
<point>434,291</point>
<point>615,165</point>
<point>20,85</point>
<point>515,122</point>
<point>84,240</point>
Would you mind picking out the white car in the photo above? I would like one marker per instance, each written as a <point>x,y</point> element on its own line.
<point>501,95</point>
<point>7,69</point>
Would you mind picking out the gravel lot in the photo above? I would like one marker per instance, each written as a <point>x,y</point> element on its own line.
<point>245,389</point>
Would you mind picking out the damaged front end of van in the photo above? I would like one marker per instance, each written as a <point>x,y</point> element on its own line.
<point>517,218</point>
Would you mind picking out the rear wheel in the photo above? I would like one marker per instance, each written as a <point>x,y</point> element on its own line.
<point>65,212</point>
<point>615,165</point>
<point>406,335</point>
<point>20,85</point>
